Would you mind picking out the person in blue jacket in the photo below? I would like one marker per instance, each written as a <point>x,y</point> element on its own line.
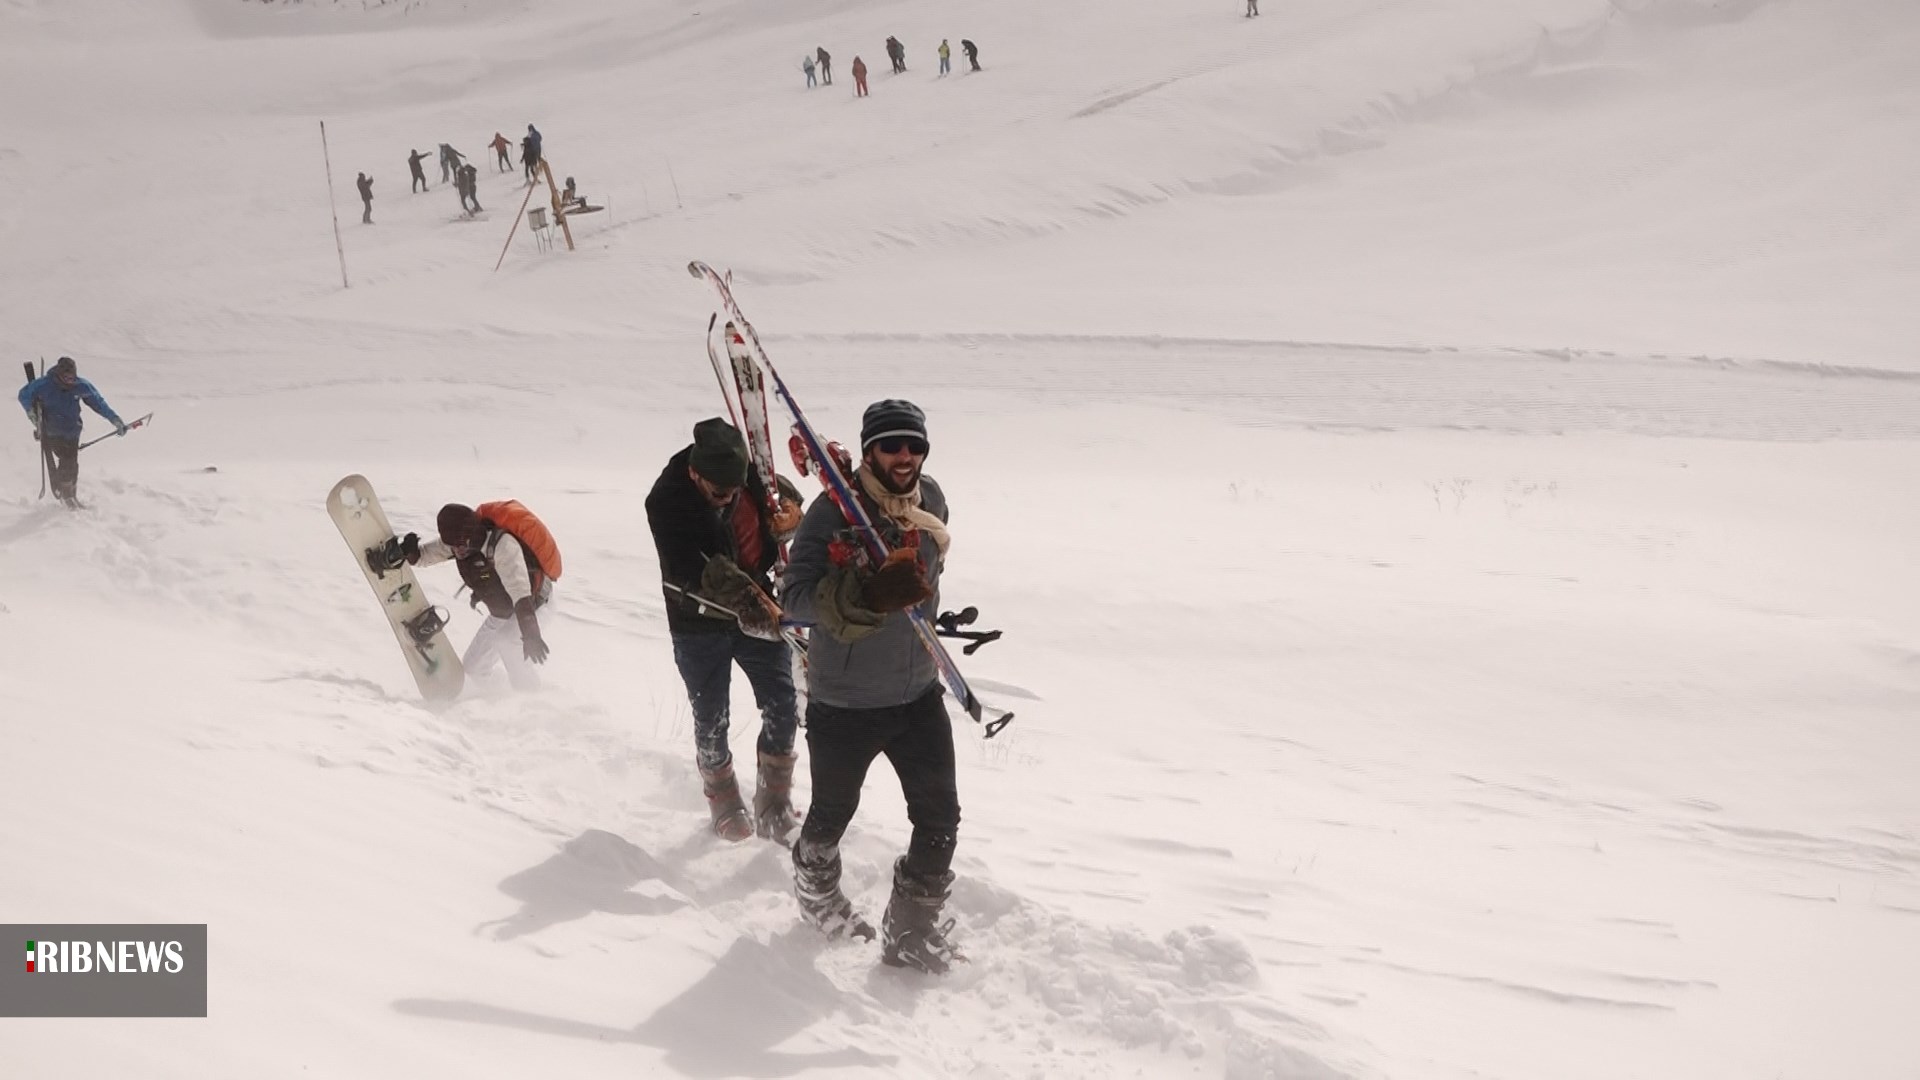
<point>53,402</point>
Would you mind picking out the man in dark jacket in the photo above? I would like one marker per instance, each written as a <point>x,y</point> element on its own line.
<point>826,65</point>
<point>53,402</point>
<point>414,158</point>
<point>717,540</point>
<point>872,689</point>
<point>365,184</point>
<point>973,53</point>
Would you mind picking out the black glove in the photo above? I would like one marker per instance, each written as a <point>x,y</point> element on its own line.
<point>410,548</point>
<point>532,645</point>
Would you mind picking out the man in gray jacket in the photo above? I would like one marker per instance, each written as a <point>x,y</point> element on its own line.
<point>872,689</point>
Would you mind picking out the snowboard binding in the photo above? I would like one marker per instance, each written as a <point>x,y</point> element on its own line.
<point>422,627</point>
<point>386,557</point>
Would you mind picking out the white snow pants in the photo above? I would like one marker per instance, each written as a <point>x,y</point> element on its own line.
<point>498,642</point>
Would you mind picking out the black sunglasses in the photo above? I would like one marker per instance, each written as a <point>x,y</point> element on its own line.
<point>893,444</point>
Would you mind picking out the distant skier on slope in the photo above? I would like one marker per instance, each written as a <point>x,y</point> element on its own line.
<point>504,162</point>
<point>897,53</point>
<point>450,160</point>
<point>468,179</point>
<point>946,58</point>
<point>973,53</point>
<point>826,65</point>
<point>715,537</point>
<point>530,153</point>
<point>859,77</point>
<point>509,560</point>
<point>806,66</point>
<point>414,158</point>
<point>365,184</point>
<point>872,689</point>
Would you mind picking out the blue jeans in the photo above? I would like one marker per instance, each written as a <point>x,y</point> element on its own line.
<point>945,63</point>
<point>706,664</point>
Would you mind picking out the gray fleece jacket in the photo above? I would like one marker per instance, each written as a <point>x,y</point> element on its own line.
<point>888,666</point>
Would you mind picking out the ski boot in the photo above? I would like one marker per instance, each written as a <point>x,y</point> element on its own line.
<point>911,934</point>
<point>730,820</point>
<point>816,884</point>
<point>773,816</point>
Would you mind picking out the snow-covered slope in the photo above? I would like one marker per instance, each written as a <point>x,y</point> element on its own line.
<point>1443,467</point>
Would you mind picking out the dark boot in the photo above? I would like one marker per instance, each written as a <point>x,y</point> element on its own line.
<point>816,884</point>
<point>912,934</point>
<point>730,820</point>
<point>773,816</point>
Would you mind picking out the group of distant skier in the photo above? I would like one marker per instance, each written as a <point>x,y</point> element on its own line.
<point>464,177</point>
<point>818,68</point>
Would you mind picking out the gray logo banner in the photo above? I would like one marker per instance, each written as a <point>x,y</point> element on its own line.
<point>103,969</point>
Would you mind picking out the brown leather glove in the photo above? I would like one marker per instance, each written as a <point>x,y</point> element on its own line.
<point>791,508</point>
<point>897,585</point>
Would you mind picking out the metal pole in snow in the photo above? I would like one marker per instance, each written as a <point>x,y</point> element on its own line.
<point>327,157</point>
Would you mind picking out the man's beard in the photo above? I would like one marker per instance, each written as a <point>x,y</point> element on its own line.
<point>886,478</point>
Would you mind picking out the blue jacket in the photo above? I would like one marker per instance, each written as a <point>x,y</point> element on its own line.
<point>60,406</point>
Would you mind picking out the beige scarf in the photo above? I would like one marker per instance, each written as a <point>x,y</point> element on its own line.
<point>904,510</point>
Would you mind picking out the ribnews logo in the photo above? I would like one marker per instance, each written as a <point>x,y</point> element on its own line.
<point>74,969</point>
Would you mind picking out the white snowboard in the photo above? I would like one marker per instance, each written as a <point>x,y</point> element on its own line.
<point>417,624</point>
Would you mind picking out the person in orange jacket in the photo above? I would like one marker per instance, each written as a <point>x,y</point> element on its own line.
<point>500,147</point>
<point>859,77</point>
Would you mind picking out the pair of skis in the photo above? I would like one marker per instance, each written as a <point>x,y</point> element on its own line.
<point>831,468</point>
<point>747,408</point>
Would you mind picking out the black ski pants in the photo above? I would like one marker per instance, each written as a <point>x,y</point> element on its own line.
<point>63,465</point>
<point>917,738</point>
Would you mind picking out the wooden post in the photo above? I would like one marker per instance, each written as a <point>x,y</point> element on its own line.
<point>516,228</point>
<point>559,214</point>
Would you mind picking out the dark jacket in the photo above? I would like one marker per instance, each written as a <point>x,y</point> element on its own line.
<point>686,529</point>
<point>888,667</point>
<point>496,571</point>
<point>60,407</point>
<point>365,184</point>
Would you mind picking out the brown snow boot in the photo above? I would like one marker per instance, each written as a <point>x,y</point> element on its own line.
<point>773,816</point>
<point>730,820</point>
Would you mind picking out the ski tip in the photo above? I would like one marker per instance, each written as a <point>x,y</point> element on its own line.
<point>711,319</point>
<point>696,268</point>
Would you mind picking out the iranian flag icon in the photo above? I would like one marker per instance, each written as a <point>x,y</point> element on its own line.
<point>30,957</point>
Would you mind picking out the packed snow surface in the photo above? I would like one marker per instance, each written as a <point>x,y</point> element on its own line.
<point>1445,471</point>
